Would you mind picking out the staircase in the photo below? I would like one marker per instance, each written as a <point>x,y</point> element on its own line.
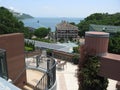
<point>28,87</point>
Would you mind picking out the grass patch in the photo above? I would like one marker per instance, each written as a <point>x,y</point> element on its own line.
<point>28,48</point>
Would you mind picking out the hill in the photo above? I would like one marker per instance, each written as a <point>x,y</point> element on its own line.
<point>98,19</point>
<point>10,24</point>
<point>19,15</point>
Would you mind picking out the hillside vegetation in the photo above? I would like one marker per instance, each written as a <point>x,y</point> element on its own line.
<point>21,15</point>
<point>99,19</point>
<point>10,24</point>
<point>103,19</point>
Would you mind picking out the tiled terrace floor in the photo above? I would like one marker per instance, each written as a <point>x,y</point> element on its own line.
<point>67,80</point>
<point>33,76</point>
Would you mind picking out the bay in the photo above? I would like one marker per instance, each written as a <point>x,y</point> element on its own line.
<point>48,22</point>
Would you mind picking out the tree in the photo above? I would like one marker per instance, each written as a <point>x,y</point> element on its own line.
<point>75,59</point>
<point>99,19</point>
<point>88,68</point>
<point>76,49</point>
<point>73,23</point>
<point>10,24</point>
<point>89,74</point>
<point>41,32</point>
<point>114,43</point>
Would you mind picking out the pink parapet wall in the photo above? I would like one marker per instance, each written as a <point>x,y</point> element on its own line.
<point>96,43</point>
<point>14,46</point>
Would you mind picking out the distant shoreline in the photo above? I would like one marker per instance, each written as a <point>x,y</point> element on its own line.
<point>48,22</point>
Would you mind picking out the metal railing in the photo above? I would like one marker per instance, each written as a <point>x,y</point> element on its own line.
<point>51,73</point>
<point>49,78</point>
<point>42,84</point>
<point>3,64</point>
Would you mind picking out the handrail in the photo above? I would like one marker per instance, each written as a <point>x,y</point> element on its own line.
<point>42,82</point>
<point>49,77</point>
<point>53,64</point>
<point>51,72</point>
<point>19,75</point>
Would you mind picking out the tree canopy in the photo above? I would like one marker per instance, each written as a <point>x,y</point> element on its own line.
<point>42,32</point>
<point>99,19</point>
<point>114,44</point>
<point>10,24</point>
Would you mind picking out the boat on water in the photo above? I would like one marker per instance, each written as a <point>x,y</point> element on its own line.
<point>37,21</point>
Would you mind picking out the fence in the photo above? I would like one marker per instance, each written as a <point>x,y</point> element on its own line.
<point>49,77</point>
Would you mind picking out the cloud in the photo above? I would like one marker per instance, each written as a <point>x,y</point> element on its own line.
<point>12,8</point>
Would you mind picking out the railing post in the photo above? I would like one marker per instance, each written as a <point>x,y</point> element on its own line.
<point>48,77</point>
<point>37,61</point>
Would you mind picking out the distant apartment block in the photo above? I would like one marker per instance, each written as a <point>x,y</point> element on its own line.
<point>66,31</point>
<point>105,28</point>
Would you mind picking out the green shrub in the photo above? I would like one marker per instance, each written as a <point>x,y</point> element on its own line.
<point>90,80</point>
<point>29,44</point>
<point>76,49</point>
<point>28,49</point>
<point>61,40</point>
<point>75,59</point>
<point>49,52</point>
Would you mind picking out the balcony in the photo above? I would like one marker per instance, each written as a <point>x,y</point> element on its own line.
<point>33,77</point>
<point>41,73</point>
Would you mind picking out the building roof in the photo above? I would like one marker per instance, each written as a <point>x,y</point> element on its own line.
<point>106,28</point>
<point>66,26</point>
<point>47,45</point>
<point>67,47</point>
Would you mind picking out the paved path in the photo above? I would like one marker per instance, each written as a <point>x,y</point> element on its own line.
<point>112,85</point>
<point>66,78</point>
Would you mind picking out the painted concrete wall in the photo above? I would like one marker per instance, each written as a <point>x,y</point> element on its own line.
<point>14,46</point>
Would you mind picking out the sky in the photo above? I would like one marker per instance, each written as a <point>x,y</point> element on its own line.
<point>62,8</point>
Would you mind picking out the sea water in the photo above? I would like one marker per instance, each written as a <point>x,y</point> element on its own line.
<point>48,22</point>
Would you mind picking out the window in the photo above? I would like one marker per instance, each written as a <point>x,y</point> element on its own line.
<point>3,65</point>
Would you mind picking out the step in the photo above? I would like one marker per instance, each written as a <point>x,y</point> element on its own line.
<point>28,87</point>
